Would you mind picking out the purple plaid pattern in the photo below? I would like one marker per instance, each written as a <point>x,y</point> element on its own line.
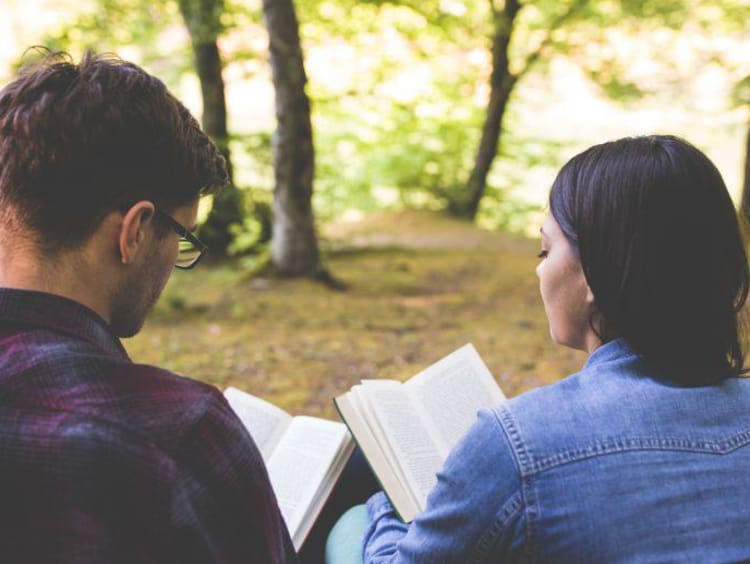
<point>104,460</point>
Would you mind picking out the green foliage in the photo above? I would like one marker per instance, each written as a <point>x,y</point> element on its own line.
<point>408,158</point>
<point>613,83</point>
<point>138,25</point>
<point>246,236</point>
<point>203,19</point>
<point>501,209</point>
<point>252,235</point>
<point>741,92</point>
<point>435,156</point>
<point>401,128</point>
<point>253,153</point>
<point>671,13</point>
<point>223,221</point>
<point>377,144</point>
<point>373,151</point>
<point>657,24</point>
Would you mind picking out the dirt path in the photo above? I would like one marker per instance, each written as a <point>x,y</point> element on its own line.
<point>417,230</point>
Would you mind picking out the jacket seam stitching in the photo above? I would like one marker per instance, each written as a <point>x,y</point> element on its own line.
<point>521,454</point>
<point>630,444</point>
<point>507,512</point>
<point>525,463</point>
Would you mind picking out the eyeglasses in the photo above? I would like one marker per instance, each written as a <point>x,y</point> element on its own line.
<point>190,248</point>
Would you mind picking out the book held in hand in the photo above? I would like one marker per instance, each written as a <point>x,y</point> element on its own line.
<point>304,456</point>
<point>406,430</point>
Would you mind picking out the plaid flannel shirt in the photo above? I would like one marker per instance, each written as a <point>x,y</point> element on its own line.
<point>105,460</point>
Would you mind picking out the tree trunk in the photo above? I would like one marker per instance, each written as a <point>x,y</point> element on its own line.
<point>745,201</point>
<point>502,82</point>
<point>202,20</point>
<point>294,245</point>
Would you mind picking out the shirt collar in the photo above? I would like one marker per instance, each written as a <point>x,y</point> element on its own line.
<point>58,314</point>
<point>609,351</point>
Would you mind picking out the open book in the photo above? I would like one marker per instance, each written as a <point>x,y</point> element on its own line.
<point>304,456</point>
<point>406,430</point>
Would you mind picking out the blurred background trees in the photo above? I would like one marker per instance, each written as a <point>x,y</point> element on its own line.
<point>203,21</point>
<point>455,105</point>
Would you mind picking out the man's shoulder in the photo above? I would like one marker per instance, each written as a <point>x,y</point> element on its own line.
<point>159,383</point>
<point>75,382</point>
<point>149,401</point>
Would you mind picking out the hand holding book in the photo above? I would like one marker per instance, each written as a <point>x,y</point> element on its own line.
<point>407,430</point>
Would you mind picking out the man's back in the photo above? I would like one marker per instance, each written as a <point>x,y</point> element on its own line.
<point>109,461</point>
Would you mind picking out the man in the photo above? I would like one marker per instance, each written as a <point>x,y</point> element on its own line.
<point>101,459</point>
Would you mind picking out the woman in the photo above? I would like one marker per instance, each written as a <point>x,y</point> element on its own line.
<point>644,455</point>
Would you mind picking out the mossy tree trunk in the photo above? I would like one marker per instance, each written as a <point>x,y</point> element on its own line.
<point>294,245</point>
<point>202,18</point>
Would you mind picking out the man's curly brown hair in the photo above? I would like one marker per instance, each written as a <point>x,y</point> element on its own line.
<point>78,141</point>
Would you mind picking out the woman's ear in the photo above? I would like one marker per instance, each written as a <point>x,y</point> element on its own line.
<point>596,323</point>
<point>132,230</point>
<point>590,296</point>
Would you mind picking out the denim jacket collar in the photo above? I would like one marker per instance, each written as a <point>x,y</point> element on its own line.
<point>616,349</point>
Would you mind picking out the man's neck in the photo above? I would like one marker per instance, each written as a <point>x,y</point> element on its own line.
<point>24,267</point>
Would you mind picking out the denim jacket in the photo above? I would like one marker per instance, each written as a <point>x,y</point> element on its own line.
<point>607,465</point>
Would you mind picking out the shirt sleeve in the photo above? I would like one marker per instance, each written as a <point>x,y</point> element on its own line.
<point>225,495</point>
<point>474,512</point>
<point>87,490</point>
<point>108,494</point>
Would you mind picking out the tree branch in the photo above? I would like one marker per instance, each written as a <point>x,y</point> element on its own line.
<point>493,8</point>
<point>535,55</point>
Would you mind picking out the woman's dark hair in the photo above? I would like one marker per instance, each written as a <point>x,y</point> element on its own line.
<point>80,141</point>
<point>660,246</point>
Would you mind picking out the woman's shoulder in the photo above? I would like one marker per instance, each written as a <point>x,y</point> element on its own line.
<point>605,378</point>
<point>615,400</point>
<point>552,418</point>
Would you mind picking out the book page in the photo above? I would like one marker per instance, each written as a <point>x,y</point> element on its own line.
<point>323,492</point>
<point>364,427</point>
<point>451,391</point>
<point>408,435</point>
<point>299,465</point>
<point>265,422</point>
<point>366,411</point>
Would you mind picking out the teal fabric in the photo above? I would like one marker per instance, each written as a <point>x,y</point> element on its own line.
<point>344,544</point>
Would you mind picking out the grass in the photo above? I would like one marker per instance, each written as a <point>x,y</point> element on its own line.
<point>418,286</point>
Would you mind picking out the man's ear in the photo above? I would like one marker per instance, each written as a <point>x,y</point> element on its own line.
<point>132,230</point>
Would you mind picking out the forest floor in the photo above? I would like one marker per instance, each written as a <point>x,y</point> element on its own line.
<point>418,285</point>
